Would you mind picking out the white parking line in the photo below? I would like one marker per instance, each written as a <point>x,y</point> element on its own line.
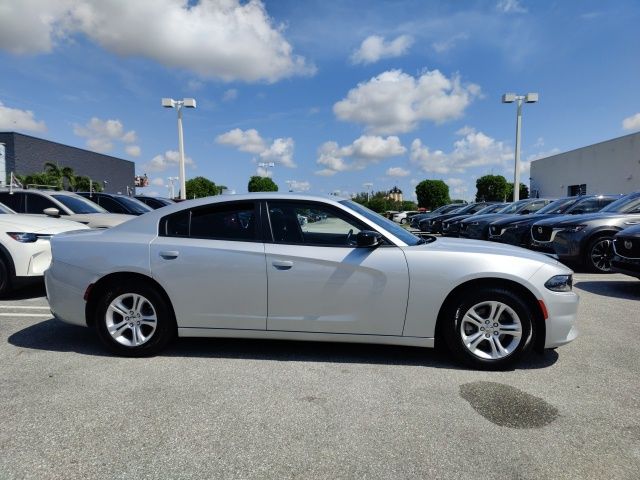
<point>26,315</point>
<point>25,307</point>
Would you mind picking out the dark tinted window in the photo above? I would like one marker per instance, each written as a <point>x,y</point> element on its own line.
<point>236,221</point>
<point>37,203</point>
<point>109,204</point>
<point>588,205</point>
<point>134,206</point>
<point>77,204</point>
<point>14,201</point>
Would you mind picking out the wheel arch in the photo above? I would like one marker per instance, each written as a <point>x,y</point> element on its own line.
<point>116,278</point>
<point>529,297</point>
<point>607,230</point>
<point>6,255</point>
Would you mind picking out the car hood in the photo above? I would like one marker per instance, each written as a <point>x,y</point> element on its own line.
<point>486,218</point>
<point>33,224</point>
<point>630,231</point>
<point>459,218</point>
<point>462,245</point>
<point>523,219</point>
<point>579,219</point>
<point>101,220</point>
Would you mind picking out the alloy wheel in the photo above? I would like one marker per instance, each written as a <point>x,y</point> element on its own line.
<point>601,255</point>
<point>131,319</point>
<point>491,330</point>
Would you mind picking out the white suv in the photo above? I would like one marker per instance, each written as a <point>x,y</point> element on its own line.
<point>25,252</point>
<point>60,203</point>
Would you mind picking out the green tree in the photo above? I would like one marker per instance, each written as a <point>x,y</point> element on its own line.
<point>432,194</point>
<point>491,188</point>
<point>408,205</point>
<point>524,191</point>
<point>261,184</point>
<point>81,184</point>
<point>199,187</point>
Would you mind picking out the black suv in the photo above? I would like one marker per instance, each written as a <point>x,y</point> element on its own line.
<point>588,239</point>
<point>626,246</point>
<point>415,220</point>
<point>516,230</point>
<point>116,203</point>
<point>434,223</point>
<point>478,226</point>
<point>451,226</point>
<point>155,202</point>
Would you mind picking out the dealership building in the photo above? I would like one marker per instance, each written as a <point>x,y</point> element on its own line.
<point>23,154</point>
<point>612,166</point>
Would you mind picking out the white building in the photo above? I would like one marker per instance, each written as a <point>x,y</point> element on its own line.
<point>612,166</point>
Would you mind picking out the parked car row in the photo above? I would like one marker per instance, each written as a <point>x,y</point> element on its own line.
<point>577,230</point>
<point>29,218</point>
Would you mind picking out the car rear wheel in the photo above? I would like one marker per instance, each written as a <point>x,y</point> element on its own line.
<point>134,320</point>
<point>489,329</point>
<point>600,254</point>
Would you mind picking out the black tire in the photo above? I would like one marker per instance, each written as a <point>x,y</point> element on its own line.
<point>403,221</point>
<point>453,328</point>
<point>165,326</point>
<point>599,254</point>
<point>5,277</point>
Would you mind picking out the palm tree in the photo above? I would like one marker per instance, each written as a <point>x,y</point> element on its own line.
<point>68,174</point>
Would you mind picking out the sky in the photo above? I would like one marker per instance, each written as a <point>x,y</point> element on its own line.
<point>336,94</point>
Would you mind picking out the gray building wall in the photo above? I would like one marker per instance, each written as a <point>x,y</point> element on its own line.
<point>26,154</point>
<point>612,166</point>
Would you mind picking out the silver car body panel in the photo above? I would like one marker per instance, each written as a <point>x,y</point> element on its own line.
<point>391,294</point>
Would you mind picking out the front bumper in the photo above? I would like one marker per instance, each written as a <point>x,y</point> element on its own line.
<point>512,236</point>
<point>627,266</point>
<point>567,245</point>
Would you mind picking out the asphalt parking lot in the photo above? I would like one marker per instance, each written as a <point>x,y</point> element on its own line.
<point>228,409</point>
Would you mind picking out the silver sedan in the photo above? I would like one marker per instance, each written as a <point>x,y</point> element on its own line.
<point>245,266</point>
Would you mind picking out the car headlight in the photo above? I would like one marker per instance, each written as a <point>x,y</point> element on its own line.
<point>573,228</point>
<point>560,283</point>
<point>474,223</point>
<point>23,237</point>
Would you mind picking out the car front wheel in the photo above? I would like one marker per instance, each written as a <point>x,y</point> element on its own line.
<point>489,329</point>
<point>134,320</point>
<point>599,255</point>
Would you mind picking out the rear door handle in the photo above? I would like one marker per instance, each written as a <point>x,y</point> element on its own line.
<point>169,254</point>
<point>282,264</point>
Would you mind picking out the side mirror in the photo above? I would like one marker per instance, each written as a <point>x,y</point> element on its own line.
<point>52,212</point>
<point>368,239</point>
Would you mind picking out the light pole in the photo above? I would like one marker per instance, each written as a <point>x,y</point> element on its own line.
<point>178,105</point>
<point>368,186</point>
<point>266,166</point>
<point>510,98</point>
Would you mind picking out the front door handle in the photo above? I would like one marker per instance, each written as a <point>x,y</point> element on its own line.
<point>282,264</point>
<point>169,254</point>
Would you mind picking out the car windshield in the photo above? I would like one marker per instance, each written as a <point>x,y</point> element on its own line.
<point>5,209</point>
<point>472,207</point>
<point>77,204</point>
<point>514,207</point>
<point>558,206</point>
<point>490,209</point>
<point>134,205</point>
<point>628,204</point>
<point>388,225</point>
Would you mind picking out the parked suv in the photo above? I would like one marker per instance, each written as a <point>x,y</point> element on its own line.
<point>516,229</point>
<point>116,203</point>
<point>415,220</point>
<point>478,226</point>
<point>626,246</point>
<point>588,239</point>
<point>451,226</point>
<point>60,203</point>
<point>434,224</point>
<point>155,202</point>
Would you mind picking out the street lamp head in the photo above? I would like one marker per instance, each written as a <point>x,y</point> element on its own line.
<point>167,102</point>
<point>189,102</point>
<point>531,97</point>
<point>508,98</point>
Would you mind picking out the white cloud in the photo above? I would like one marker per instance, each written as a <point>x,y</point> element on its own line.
<point>244,140</point>
<point>133,150</point>
<point>458,186</point>
<point>299,186</point>
<point>166,160</point>
<point>474,149</point>
<point>442,46</point>
<point>101,134</point>
<point>510,6</point>
<point>264,172</point>
<point>395,102</point>
<point>16,119</point>
<point>230,95</point>
<point>158,182</point>
<point>374,48</point>
<point>364,151</point>
<point>224,39</point>
<point>398,172</point>
<point>632,122</point>
<point>279,152</point>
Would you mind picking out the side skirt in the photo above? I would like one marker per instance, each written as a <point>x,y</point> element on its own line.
<point>427,342</point>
